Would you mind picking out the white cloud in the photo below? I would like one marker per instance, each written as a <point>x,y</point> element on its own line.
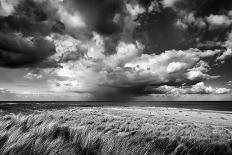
<point>193,75</point>
<point>209,53</point>
<point>217,21</point>
<point>98,39</point>
<point>230,13</point>
<point>229,83</point>
<point>126,68</point>
<point>199,88</point>
<point>125,53</point>
<point>135,10</point>
<point>154,6</point>
<point>72,20</point>
<point>228,43</point>
<point>67,47</point>
<point>169,3</point>
<point>176,66</point>
<point>228,52</point>
<point>179,23</point>
<point>32,76</point>
<point>156,68</point>
<point>7,7</point>
<point>201,66</point>
<point>222,90</point>
<point>188,19</point>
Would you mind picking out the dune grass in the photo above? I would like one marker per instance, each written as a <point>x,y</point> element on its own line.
<point>96,132</point>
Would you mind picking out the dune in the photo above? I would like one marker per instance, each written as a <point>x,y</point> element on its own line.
<point>117,131</point>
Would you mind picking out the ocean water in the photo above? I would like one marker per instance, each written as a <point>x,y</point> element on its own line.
<point>31,106</point>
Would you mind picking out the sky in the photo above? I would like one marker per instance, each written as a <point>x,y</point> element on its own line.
<point>107,50</point>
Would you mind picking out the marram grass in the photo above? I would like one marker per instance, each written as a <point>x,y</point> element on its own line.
<point>95,133</point>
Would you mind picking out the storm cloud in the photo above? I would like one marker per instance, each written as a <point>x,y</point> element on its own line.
<point>16,51</point>
<point>179,24</point>
<point>119,49</point>
<point>98,15</point>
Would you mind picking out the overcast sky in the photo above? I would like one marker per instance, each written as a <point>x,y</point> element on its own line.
<point>115,50</point>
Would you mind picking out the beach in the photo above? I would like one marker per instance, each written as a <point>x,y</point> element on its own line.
<point>197,116</point>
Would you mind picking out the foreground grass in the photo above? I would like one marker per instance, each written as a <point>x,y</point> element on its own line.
<point>96,131</point>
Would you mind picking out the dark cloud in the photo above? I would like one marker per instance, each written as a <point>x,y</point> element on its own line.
<point>99,14</point>
<point>130,90</point>
<point>22,38</point>
<point>31,18</point>
<point>205,7</point>
<point>106,17</point>
<point>148,3</point>
<point>135,88</point>
<point>30,8</point>
<point>16,51</point>
<point>111,43</point>
<point>72,56</point>
<point>160,31</point>
<point>24,25</point>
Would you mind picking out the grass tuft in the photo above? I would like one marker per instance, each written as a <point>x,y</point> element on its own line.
<point>93,133</point>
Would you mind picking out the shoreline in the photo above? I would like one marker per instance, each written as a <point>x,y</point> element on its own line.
<point>211,117</point>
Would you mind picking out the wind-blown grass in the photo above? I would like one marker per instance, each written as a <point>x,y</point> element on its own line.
<point>93,132</point>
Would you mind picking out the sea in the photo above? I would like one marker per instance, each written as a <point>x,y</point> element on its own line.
<point>32,106</point>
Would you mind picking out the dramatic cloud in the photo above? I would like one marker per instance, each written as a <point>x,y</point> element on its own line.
<point>32,18</point>
<point>116,49</point>
<point>188,24</point>
<point>67,48</point>
<point>98,15</point>
<point>16,51</point>
<point>129,72</point>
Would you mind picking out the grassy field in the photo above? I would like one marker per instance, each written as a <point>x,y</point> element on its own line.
<point>111,131</point>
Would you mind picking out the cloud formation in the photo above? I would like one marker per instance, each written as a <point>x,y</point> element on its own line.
<point>124,48</point>
<point>16,51</point>
<point>98,15</point>
<point>217,21</point>
<point>199,88</point>
<point>128,72</point>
